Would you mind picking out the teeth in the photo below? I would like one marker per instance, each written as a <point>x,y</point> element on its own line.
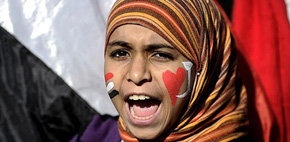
<point>137,117</point>
<point>138,97</point>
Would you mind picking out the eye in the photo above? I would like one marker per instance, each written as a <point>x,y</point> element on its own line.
<point>163,56</point>
<point>119,54</point>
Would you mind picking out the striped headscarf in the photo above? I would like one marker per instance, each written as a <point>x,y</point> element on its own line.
<point>216,110</point>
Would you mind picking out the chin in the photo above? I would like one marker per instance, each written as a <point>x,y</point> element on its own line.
<point>145,134</point>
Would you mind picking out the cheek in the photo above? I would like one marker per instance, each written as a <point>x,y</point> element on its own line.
<point>173,82</point>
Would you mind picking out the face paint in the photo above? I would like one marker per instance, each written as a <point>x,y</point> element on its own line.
<point>173,82</point>
<point>111,85</point>
<point>108,76</point>
<point>113,94</point>
<point>188,66</point>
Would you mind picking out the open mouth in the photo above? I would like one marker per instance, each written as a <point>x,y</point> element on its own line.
<point>142,108</point>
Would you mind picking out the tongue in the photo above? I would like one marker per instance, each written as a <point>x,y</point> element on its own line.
<point>145,108</point>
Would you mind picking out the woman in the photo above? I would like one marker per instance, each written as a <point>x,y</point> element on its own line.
<point>170,71</point>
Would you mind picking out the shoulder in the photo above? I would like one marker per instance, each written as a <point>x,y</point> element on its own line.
<point>101,128</point>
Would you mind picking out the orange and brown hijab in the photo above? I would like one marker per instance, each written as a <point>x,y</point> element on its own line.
<point>216,110</point>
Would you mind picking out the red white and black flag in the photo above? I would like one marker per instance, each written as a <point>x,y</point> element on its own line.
<point>36,104</point>
<point>51,69</point>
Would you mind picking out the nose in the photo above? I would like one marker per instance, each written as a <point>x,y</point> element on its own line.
<point>138,71</point>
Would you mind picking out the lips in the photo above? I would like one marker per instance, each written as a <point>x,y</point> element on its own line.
<point>142,109</point>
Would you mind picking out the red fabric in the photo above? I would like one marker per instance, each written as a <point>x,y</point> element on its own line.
<point>262,30</point>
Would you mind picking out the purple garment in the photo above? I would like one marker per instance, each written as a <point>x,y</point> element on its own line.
<point>101,129</point>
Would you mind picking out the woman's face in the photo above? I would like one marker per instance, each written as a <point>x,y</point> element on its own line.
<point>147,78</point>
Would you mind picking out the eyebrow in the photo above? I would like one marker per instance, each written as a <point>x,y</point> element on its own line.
<point>152,47</point>
<point>119,43</point>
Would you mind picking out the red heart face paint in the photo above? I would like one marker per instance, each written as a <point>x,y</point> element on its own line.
<point>173,82</point>
<point>109,76</point>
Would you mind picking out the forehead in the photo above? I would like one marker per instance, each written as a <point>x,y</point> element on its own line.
<point>136,34</point>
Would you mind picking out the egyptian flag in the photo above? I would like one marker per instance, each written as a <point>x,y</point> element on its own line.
<point>51,75</point>
<point>36,104</point>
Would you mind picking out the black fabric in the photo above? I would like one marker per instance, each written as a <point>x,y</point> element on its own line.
<point>227,5</point>
<point>35,104</point>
